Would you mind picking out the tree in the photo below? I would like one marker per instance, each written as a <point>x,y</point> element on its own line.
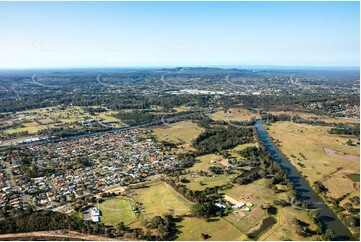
<point>348,206</point>
<point>120,228</point>
<point>148,235</point>
<point>329,235</point>
<point>355,200</point>
<point>204,236</point>
<point>319,187</point>
<point>155,222</point>
<point>205,210</point>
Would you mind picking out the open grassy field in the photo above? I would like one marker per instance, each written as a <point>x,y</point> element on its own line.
<point>331,168</point>
<point>236,225</point>
<point>234,114</point>
<point>42,118</point>
<point>159,198</point>
<point>180,132</point>
<point>107,116</point>
<point>206,162</point>
<point>201,182</point>
<point>318,117</point>
<point>192,228</point>
<point>198,182</point>
<point>30,129</point>
<point>115,210</point>
<point>58,113</point>
<point>285,229</point>
<point>233,152</point>
<point>260,195</point>
<point>256,193</point>
<point>346,199</point>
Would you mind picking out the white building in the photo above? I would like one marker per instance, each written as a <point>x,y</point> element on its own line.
<point>239,205</point>
<point>221,206</point>
<point>95,214</point>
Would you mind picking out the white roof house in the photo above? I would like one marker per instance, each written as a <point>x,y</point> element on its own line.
<point>221,206</point>
<point>95,214</point>
<point>239,205</point>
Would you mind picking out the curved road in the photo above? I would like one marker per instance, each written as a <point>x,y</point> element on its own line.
<point>161,121</point>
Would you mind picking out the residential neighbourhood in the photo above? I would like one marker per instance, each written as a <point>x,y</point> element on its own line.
<point>81,167</point>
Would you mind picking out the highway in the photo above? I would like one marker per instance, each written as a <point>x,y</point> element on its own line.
<point>161,121</point>
<point>129,127</point>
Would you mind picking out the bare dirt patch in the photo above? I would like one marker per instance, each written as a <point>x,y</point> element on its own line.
<point>53,235</point>
<point>336,154</point>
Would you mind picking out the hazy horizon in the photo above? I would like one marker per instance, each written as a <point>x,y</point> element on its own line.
<point>285,67</point>
<point>67,35</point>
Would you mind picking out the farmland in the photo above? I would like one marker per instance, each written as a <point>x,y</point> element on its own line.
<point>260,196</point>
<point>285,229</point>
<point>219,229</point>
<point>234,114</point>
<point>317,164</point>
<point>318,117</point>
<point>32,121</point>
<point>255,193</point>
<point>187,173</point>
<point>198,182</point>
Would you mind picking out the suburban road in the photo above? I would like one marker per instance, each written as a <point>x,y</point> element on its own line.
<point>161,121</point>
<point>10,177</point>
<point>13,186</point>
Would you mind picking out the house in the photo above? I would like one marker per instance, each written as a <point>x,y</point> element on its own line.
<point>239,205</point>
<point>95,214</point>
<point>221,206</point>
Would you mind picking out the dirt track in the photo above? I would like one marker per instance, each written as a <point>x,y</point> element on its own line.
<point>53,235</point>
<point>333,153</point>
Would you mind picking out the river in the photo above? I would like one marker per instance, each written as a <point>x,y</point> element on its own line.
<point>304,190</point>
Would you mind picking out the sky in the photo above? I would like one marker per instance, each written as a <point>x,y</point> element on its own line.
<point>138,34</point>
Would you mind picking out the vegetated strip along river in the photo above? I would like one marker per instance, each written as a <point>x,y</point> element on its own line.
<point>303,189</point>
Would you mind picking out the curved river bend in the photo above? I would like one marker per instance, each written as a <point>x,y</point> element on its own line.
<point>304,190</point>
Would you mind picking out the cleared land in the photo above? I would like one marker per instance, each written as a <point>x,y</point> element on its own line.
<point>285,229</point>
<point>159,198</point>
<point>202,182</point>
<point>53,235</point>
<point>233,152</point>
<point>346,199</point>
<point>255,193</point>
<point>42,118</point>
<point>206,162</point>
<point>259,195</point>
<point>30,129</point>
<point>305,144</point>
<point>192,228</point>
<point>183,132</point>
<point>197,182</point>
<point>115,210</point>
<point>318,117</point>
<point>234,114</point>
